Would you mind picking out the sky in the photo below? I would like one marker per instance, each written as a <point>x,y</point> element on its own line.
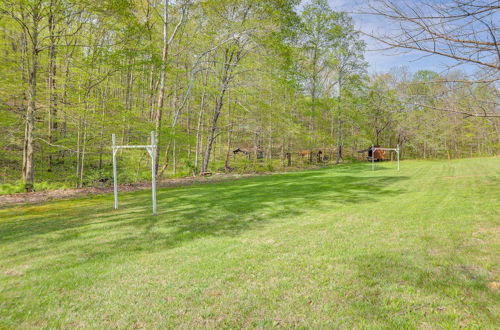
<point>382,61</point>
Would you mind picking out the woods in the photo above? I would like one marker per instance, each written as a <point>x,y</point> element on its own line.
<point>271,77</point>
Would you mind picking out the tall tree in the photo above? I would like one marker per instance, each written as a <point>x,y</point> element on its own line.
<point>348,63</point>
<point>319,36</point>
<point>29,15</point>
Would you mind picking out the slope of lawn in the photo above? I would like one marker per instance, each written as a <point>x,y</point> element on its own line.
<point>336,247</point>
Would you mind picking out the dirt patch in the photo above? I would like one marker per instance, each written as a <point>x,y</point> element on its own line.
<point>18,271</point>
<point>44,196</point>
<point>494,286</point>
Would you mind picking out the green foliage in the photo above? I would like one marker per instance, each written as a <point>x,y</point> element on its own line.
<point>191,167</point>
<point>18,187</point>
<point>300,82</point>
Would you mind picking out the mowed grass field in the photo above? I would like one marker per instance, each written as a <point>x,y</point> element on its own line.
<point>335,247</point>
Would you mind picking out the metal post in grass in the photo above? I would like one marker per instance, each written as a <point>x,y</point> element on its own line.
<point>115,185</point>
<point>397,152</point>
<point>153,170</point>
<point>373,158</point>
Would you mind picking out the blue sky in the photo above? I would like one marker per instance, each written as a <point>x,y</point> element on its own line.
<point>383,61</point>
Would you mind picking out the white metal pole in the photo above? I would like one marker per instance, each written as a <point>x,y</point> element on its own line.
<point>153,172</point>
<point>373,158</point>
<point>397,151</point>
<point>115,185</point>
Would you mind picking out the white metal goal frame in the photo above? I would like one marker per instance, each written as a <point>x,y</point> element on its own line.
<point>151,148</point>
<point>388,149</point>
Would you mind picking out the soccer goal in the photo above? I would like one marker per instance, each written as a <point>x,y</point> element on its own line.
<point>151,148</point>
<point>376,151</point>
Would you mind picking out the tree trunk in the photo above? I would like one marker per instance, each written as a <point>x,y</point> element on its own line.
<point>229,133</point>
<point>161,95</point>
<point>282,153</point>
<point>78,139</point>
<point>255,148</point>
<point>174,157</point>
<point>82,157</point>
<point>269,154</point>
<point>29,161</point>
<point>198,131</point>
<point>213,127</point>
<point>52,98</point>
<point>152,89</point>
<point>313,96</point>
<point>227,69</point>
<point>188,132</point>
<point>339,127</point>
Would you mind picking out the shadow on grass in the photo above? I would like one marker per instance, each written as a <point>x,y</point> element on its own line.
<point>90,228</point>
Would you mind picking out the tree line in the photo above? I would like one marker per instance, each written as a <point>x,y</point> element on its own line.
<point>270,77</point>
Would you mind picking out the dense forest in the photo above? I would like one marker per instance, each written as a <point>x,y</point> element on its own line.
<point>278,80</point>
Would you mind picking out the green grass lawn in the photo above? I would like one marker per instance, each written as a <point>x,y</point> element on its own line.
<point>336,247</point>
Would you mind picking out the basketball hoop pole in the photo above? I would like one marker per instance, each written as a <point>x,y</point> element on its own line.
<point>115,185</point>
<point>373,158</point>
<point>153,170</point>
<point>397,152</point>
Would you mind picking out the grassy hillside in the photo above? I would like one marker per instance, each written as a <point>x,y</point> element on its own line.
<point>342,246</point>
